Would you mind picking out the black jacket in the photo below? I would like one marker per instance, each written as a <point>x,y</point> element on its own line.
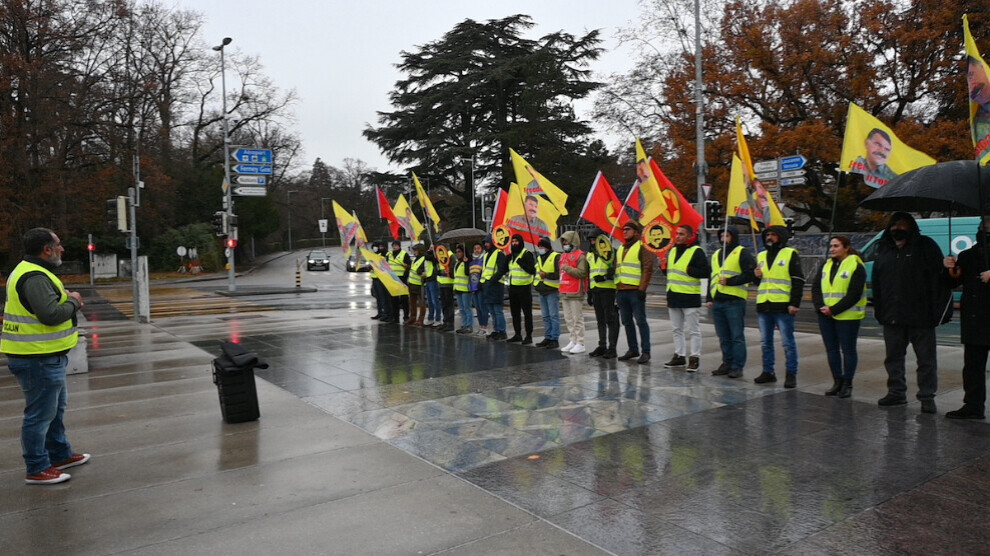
<point>698,267</point>
<point>974,309</point>
<point>794,269</point>
<point>910,287</point>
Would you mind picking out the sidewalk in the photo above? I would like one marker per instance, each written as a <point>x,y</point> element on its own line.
<point>631,460</point>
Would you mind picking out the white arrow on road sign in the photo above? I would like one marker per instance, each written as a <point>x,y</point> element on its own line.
<point>253,156</point>
<point>251,180</point>
<point>792,174</point>
<point>767,175</point>
<point>765,166</point>
<point>794,162</point>
<point>250,191</point>
<point>793,181</point>
<point>255,169</point>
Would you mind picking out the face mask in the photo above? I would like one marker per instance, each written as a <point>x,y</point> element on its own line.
<point>568,248</point>
<point>768,243</point>
<point>542,251</point>
<point>898,234</point>
<point>516,247</point>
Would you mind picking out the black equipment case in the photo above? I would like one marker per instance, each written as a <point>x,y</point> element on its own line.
<point>233,373</point>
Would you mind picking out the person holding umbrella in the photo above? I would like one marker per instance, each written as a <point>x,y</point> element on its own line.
<point>910,299</point>
<point>840,301</point>
<point>973,265</point>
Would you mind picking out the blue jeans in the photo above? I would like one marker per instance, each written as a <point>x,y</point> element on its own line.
<point>785,323</point>
<point>840,337</point>
<point>550,309</point>
<point>431,292</point>
<point>480,308</point>
<point>42,432</point>
<point>728,317</point>
<point>498,316</point>
<point>632,307</point>
<point>464,306</point>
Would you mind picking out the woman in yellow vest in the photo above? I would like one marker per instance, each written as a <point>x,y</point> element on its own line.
<point>838,295</point>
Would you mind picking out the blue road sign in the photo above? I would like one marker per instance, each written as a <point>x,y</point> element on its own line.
<point>253,169</point>
<point>794,162</point>
<point>253,156</point>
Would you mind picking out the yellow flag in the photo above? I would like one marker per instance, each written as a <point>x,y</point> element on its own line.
<point>871,149</point>
<point>536,184</point>
<point>650,196</point>
<point>530,216</point>
<point>381,269</point>
<point>408,221</point>
<point>424,201</point>
<point>978,87</point>
<point>349,227</point>
<point>764,211</point>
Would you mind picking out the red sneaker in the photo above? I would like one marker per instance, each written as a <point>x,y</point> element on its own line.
<point>76,459</point>
<point>49,476</point>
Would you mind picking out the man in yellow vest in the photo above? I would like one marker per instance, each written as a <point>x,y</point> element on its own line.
<point>39,329</point>
<point>399,261</point>
<point>547,284</point>
<point>492,288</point>
<point>633,269</point>
<point>732,269</point>
<point>686,266</point>
<point>778,298</point>
<point>522,269</point>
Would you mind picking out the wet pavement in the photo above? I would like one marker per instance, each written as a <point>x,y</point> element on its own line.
<point>381,439</point>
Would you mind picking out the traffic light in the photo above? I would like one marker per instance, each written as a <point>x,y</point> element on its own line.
<point>714,217</point>
<point>91,247</point>
<point>117,213</point>
<point>219,221</point>
<point>231,243</point>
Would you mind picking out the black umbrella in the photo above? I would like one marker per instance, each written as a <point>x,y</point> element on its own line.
<point>463,234</point>
<point>948,186</point>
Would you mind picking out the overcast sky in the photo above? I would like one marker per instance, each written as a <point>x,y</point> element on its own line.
<point>340,56</point>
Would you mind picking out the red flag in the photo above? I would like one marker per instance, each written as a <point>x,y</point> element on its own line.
<point>498,213</point>
<point>604,209</point>
<point>679,210</point>
<point>385,211</point>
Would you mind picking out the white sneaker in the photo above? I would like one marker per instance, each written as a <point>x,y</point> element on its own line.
<point>578,348</point>
<point>437,323</point>
<point>482,332</point>
<point>568,347</point>
<point>427,322</point>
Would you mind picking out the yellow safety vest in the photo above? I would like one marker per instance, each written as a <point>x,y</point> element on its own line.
<point>461,280</point>
<point>442,277</point>
<point>629,270</point>
<point>518,276</point>
<point>732,268</point>
<point>414,278</point>
<point>23,333</point>
<point>547,267</point>
<point>678,279</point>
<point>491,264</point>
<point>598,266</point>
<point>397,262</point>
<point>775,286</point>
<point>832,292</point>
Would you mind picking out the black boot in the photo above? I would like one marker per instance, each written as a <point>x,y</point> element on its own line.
<point>836,386</point>
<point>847,388</point>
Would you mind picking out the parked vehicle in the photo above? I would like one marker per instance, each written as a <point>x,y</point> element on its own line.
<point>963,237</point>
<point>317,259</point>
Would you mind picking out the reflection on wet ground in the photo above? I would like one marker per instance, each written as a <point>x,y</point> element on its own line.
<point>460,402</point>
<point>639,459</point>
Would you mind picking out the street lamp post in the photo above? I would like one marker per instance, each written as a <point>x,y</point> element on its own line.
<point>473,211</point>
<point>323,216</point>
<point>699,107</point>
<point>288,214</point>
<point>228,200</point>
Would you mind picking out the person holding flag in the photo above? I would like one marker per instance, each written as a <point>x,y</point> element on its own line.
<point>633,270</point>
<point>522,268</point>
<point>601,295</point>
<point>494,269</point>
<point>547,284</point>
<point>398,261</point>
